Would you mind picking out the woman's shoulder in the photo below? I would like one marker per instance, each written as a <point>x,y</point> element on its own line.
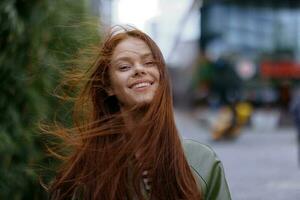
<point>197,152</point>
<point>208,169</point>
<point>201,157</point>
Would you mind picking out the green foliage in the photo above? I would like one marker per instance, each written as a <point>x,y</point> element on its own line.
<point>36,38</point>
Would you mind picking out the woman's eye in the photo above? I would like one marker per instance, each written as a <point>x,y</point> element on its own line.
<point>124,67</point>
<point>150,63</point>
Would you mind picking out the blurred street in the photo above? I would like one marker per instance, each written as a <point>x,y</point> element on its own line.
<point>261,164</point>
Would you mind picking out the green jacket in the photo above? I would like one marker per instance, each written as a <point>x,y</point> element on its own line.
<point>207,169</point>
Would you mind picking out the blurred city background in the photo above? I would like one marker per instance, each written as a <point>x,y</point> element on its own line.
<point>235,69</point>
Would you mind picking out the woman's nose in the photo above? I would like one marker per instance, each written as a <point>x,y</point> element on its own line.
<point>139,69</point>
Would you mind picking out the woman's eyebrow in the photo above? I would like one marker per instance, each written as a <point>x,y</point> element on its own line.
<point>146,55</point>
<point>128,58</point>
<point>123,58</point>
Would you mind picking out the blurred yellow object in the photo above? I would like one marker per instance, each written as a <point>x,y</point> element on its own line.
<point>223,127</point>
<point>244,111</point>
<point>230,120</point>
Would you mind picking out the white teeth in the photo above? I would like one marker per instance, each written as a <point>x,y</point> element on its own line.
<point>140,85</point>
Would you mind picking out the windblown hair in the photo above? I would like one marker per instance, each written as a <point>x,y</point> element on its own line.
<point>102,163</point>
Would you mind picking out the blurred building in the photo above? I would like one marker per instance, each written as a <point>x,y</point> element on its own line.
<point>262,40</point>
<point>251,27</point>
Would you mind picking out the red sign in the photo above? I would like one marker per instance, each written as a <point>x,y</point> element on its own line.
<point>280,69</point>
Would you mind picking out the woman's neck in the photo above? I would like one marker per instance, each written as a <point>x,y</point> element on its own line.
<point>133,116</point>
<point>131,119</point>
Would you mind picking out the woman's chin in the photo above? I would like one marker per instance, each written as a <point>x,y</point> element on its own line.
<point>141,104</point>
<point>147,99</point>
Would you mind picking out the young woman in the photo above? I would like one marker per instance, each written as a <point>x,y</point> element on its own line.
<point>124,144</point>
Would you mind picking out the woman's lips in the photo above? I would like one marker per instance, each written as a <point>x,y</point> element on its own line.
<point>140,84</point>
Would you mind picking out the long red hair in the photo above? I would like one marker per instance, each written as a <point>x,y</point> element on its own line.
<point>102,162</point>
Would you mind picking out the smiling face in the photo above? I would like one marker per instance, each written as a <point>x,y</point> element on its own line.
<point>134,74</point>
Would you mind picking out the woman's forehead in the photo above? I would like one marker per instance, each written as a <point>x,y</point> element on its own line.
<point>131,47</point>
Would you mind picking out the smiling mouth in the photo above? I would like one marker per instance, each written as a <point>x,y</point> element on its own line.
<point>141,85</point>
